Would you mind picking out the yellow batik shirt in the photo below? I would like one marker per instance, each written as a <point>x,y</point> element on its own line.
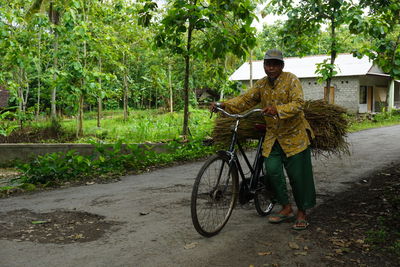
<point>290,126</point>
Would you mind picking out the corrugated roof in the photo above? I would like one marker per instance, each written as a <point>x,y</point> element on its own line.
<point>305,67</point>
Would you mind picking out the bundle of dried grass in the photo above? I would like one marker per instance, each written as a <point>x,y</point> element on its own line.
<point>330,127</point>
<point>327,121</point>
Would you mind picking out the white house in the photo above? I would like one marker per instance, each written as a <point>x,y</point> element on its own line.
<point>360,86</point>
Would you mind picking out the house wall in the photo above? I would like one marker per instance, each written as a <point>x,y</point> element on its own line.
<point>397,95</point>
<point>380,86</point>
<point>346,91</point>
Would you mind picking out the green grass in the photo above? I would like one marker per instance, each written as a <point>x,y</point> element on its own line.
<point>155,126</point>
<point>377,121</point>
<point>144,126</point>
<point>141,126</point>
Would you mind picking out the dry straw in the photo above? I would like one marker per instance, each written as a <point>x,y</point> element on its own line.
<point>328,122</point>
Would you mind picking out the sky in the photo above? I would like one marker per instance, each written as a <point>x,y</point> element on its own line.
<point>269,19</point>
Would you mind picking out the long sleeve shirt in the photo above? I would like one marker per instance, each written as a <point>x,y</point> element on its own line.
<point>290,127</point>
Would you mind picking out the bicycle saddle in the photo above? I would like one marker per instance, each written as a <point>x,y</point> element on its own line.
<point>260,127</point>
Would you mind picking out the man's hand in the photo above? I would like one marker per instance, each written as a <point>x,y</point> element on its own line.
<point>214,105</point>
<point>270,110</point>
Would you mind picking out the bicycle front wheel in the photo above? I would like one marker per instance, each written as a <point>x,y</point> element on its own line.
<point>214,195</point>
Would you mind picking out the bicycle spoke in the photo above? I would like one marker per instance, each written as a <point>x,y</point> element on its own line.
<point>214,197</point>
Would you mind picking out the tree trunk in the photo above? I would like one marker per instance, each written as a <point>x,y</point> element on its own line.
<point>186,83</point>
<point>99,98</point>
<point>22,96</point>
<point>25,99</point>
<point>54,18</point>
<point>39,69</point>
<point>221,95</point>
<point>251,68</point>
<point>171,99</point>
<point>125,91</point>
<point>19,90</point>
<point>83,89</point>
<point>79,132</point>
<point>99,110</point>
<point>333,57</point>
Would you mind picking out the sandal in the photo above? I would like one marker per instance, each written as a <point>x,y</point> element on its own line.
<point>278,218</point>
<point>300,225</point>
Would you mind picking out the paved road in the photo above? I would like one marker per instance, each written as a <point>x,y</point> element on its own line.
<point>165,236</point>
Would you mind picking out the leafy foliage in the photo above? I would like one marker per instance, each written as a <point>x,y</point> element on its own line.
<point>326,70</point>
<point>203,30</point>
<point>382,26</point>
<point>58,168</point>
<point>6,127</point>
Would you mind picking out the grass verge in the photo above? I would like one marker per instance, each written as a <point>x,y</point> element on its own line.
<point>56,169</point>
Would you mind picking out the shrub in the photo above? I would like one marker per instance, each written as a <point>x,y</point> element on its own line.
<point>106,161</point>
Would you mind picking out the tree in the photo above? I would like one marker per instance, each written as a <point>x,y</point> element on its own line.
<point>18,54</point>
<point>318,43</point>
<point>305,18</point>
<point>54,14</point>
<point>381,25</point>
<point>212,29</point>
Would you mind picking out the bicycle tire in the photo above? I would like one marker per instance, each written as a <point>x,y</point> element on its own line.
<point>213,199</point>
<point>263,200</point>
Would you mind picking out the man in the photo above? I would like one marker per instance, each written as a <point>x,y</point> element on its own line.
<point>287,137</point>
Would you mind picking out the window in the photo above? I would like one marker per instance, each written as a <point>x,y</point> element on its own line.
<point>363,95</point>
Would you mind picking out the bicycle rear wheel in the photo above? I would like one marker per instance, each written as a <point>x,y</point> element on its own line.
<point>214,195</point>
<point>263,199</point>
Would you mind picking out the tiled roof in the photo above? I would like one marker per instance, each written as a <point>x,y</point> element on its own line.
<point>346,65</point>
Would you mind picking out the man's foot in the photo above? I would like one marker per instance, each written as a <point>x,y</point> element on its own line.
<point>300,224</point>
<point>278,218</point>
<point>286,214</point>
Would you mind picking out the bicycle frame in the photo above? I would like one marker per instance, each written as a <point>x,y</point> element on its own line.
<point>256,168</point>
<point>217,189</point>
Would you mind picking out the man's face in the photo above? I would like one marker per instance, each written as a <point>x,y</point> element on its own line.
<point>273,68</point>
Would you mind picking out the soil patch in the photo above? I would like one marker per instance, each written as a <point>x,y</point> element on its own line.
<point>60,227</point>
<point>30,134</point>
<point>361,226</point>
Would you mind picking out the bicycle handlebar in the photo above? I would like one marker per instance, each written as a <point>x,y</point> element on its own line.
<point>241,116</point>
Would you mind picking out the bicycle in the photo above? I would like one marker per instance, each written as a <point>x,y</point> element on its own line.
<point>216,187</point>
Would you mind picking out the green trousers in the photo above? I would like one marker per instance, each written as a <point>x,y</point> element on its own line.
<point>299,170</point>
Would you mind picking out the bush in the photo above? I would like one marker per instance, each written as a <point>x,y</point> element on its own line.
<point>106,161</point>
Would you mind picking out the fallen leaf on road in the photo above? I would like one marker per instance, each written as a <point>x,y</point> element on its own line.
<point>265,243</point>
<point>191,245</point>
<point>338,251</point>
<point>77,236</point>
<point>293,245</point>
<point>265,253</point>
<point>39,222</point>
